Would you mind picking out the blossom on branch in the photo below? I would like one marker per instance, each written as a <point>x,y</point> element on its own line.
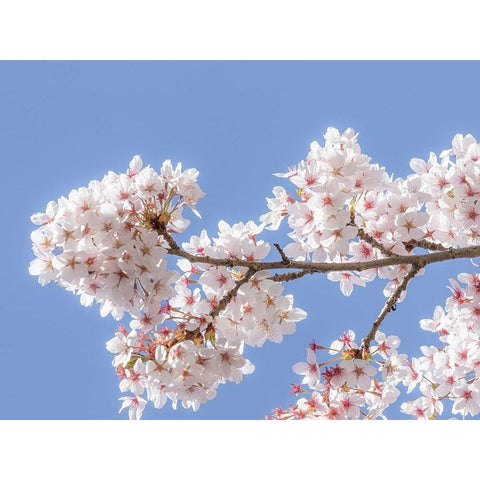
<point>192,309</point>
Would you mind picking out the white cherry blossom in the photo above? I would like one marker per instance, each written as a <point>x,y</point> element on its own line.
<point>191,317</point>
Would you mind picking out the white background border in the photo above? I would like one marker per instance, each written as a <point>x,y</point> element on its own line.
<point>247,29</point>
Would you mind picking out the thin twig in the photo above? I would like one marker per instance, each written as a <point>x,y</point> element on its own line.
<point>230,294</point>
<point>162,230</point>
<point>286,277</point>
<point>285,259</point>
<point>389,304</point>
<point>363,235</point>
<point>424,244</point>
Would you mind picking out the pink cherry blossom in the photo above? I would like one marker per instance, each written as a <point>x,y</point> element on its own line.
<point>190,317</point>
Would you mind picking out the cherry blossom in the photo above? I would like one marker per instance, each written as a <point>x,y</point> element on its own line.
<point>351,388</point>
<point>195,305</point>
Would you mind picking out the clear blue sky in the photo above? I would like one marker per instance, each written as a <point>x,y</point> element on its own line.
<point>65,123</point>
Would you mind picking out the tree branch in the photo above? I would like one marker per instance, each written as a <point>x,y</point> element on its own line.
<point>317,267</point>
<point>230,294</point>
<point>389,305</point>
<point>424,244</point>
<point>417,262</point>
<point>363,235</point>
<point>427,258</point>
<point>285,259</point>
<point>287,277</point>
<point>161,228</point>
<point>176,250</point>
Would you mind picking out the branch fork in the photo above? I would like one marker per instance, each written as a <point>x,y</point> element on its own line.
<point>437,253</point>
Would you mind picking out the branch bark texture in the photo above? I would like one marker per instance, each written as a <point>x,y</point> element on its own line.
<point>437,253</point>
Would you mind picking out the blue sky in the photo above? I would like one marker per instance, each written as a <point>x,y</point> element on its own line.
<point>65,123</point>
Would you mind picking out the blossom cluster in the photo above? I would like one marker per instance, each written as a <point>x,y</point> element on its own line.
<point>190,319</point>
<point>340,193</point>
<point>259,311</point>
<point>99,242</point>
<point>450,373</point>
<point>345,386</point>
<point>109,242</point>
<point>188,360</point>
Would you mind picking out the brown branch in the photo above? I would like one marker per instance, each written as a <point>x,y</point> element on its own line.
<point>389,305</point>
<point>224,301</point>
<point>424,244</point>
<point>286,277</point>
<point>427,258</point>
<point>319,267</point>
<point>417,262</point>
<point>285,259</point>
<point>176,250</point>
<point>161,228</point>
<point>363,235</point>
